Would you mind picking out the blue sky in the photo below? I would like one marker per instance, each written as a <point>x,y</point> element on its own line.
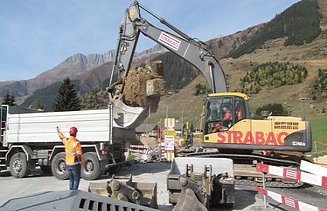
<point>37,35</point>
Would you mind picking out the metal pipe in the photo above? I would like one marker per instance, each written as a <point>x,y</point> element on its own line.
<point>110,122</point>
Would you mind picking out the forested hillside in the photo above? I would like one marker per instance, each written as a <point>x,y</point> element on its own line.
<point>272,74</point>
<point>177,72</point>
<point>319,90</point>
<point>46,96</point>
<point>299,23</point>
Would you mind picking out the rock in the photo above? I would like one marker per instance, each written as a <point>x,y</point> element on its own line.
<point>144,85</point>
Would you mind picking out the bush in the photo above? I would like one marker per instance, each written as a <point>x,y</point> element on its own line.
<point>276,109</point>
<point>273,74</point>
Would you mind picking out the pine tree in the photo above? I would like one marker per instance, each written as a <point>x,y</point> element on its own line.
<point>8,99</point>
<point>67,99</point>
<point>36,104</point>
<point>12,101</point>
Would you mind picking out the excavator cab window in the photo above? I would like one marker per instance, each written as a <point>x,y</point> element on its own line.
<point>240,109</point>
<point>219,114</point>
<point>222,112</point>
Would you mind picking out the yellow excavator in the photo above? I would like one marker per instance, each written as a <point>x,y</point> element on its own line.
<point>227,127</point>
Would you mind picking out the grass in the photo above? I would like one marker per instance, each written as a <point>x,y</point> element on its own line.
<point>319,133</point>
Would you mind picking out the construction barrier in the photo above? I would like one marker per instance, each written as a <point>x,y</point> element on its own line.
<point>294,174</point>
<point>162,151</point>
<point>289,201</point>
<point>317,176</point>
<point>140,150</point>
<point>313,168</point>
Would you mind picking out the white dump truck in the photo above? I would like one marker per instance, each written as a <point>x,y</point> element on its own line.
<point>29,140</point>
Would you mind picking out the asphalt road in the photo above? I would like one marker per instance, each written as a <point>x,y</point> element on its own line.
<point>247,198</point>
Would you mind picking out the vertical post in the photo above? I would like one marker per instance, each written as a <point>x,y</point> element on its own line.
<point>4,125</point>
<point>264,187</point>
<point>182,129</point>
<point>111,120</point>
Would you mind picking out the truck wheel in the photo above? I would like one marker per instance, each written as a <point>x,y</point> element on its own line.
<point>46,170</point>
<point>91,166</point>
<point>19,165</point>
<point>58,166</point>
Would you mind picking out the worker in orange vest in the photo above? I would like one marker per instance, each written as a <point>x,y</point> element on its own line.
<point>73,152</point>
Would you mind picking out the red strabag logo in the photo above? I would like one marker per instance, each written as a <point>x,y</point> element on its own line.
<point>169,40</point>
<point>257,138</point>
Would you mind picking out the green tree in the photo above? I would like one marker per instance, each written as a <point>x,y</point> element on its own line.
<point>87,101</point>
<point>319,88</point>
<point>67,99</point>
<point>36,104</point>
<point>276,109</point>
<point>8,99</point>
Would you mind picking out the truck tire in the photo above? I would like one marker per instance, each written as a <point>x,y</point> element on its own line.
<point>91,166</point>
<point>19,165</point>
<point>58,166</point>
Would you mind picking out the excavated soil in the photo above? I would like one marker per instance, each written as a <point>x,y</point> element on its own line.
<point>144,85</point>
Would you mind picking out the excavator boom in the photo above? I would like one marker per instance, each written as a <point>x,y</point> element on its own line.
<point>193,51</point>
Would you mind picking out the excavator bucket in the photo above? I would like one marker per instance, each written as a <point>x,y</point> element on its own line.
<point>125,116</point>
<point>210,179</point>
<point>143,87</point>
<point>124,189</point>
<point>188,201</point>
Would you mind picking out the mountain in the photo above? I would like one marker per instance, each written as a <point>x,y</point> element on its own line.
<point>89,73</point>
<point>71,67</point>
<point>312,55</point>
<point>296,98</point>
<point>298,24</point>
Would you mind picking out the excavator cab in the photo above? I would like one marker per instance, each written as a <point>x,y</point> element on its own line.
<point>228,126</point>
<point>223,110</point>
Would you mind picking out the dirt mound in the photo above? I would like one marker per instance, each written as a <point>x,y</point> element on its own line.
<point>144,85</point>
<point>323,12</point>
<point>149,141</point>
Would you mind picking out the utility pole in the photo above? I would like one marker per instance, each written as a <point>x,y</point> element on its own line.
<point>182,122</point>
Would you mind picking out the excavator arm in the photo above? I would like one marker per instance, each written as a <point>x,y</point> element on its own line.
<point>193,51</point>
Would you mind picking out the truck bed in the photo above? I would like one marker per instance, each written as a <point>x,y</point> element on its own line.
<point>93,126</point>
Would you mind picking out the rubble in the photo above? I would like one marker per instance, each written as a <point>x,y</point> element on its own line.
<point>321,160</point>
<point>144,85</point>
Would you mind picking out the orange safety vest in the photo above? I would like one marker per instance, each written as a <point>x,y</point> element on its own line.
<point>73,149</point>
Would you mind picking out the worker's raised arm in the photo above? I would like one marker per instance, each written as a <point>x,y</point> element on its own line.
<point>61,136</point>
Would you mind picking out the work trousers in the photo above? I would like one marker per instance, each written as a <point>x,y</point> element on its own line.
<point>74,172</point>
